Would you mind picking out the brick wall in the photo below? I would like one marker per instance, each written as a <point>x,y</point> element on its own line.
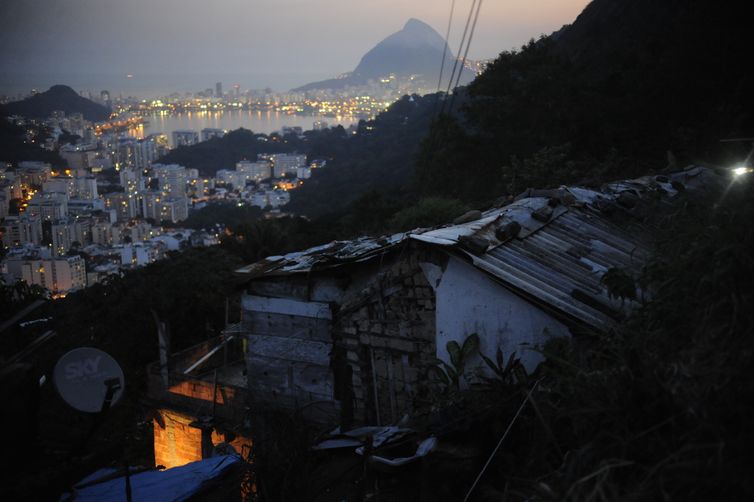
<point>178,443</point>
<point>202,389</point>
<point>387,335</point>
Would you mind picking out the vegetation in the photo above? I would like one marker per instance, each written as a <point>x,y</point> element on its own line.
<point>15,148</point>
<point>57,97</point>
<point>221,213</point>
<point>14,297</point>
<point>223,153</point>
<point>655,409</point>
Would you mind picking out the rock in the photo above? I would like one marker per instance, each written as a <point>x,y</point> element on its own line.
<point>508,231</point>
<point>678,186</point>
<point>476,245</point>
<point>605,206</point>
<point>628,199</point>
<point>568,199</point>
<point>542,214</point>
<point>468,217</point>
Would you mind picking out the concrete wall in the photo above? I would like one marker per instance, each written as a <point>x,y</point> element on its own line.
<point>469,301</point>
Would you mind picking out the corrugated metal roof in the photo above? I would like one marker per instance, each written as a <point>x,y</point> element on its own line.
<point>322,257</point>
<point>561,261</point>
<point>565,241</point>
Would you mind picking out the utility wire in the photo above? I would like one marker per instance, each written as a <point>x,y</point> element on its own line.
<point>499,443</point>
<point>444,54</point>
<point>445,49</point>
<point>465,54</point>
<point>460,49</point>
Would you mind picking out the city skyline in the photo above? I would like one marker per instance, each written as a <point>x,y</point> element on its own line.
<point>185,46</point>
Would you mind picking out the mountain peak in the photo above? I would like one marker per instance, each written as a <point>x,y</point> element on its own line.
<point>417,49</point>
<point>415,24</point>
<point>61,90</point>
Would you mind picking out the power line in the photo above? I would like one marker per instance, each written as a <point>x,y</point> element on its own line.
<point>460,49</point>
<point>499,443</point>
<point>466,53</point>
<point>445,49</point>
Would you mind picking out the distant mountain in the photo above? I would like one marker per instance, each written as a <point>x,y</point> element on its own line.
<point>417,49</point>
<point>604,98</point>
<point>58,97</point>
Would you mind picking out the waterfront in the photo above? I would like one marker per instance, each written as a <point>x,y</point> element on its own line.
<point>258,121</point>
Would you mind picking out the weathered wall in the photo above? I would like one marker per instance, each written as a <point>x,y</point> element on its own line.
<point>468,301</point>
<point>386,335</point>
<point>289,342</point>
<point>178,443</point>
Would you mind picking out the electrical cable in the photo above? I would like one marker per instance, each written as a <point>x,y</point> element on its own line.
<point>445,49</point>
<point>460,49</point>
<point>465,54</point>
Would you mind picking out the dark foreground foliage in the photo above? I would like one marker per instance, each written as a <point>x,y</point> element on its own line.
<point>657,409</point>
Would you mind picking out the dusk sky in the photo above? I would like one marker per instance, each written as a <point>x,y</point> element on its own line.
<point>190,44</point>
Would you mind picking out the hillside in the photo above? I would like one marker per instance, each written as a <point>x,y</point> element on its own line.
<point>15,148</point>
<point>579,107</point>
<point>610,96</point>
<point>57,97</point>
<point>417,49</point>
<point>223,153</point>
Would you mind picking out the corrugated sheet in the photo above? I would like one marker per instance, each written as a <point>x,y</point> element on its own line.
<point>558,262</point>
<point>322,257</point>
<point>563,264</point>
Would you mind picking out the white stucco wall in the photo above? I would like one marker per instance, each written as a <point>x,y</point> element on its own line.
<point>468,301</point>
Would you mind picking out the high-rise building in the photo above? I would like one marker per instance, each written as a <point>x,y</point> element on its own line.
<point>60,184</point>
<point>284,163</point>
<point>148,150</point>
<point>82,156</point>
<point>33,173</point>
<point>172,179</point>
<point>48,206</point>
<point>185,138</point>
<point>123,203</point>
<point>131,180</point>
<point>85,187</point>
<point>219,90</point>
<point>209,133</point>
<point>59,275</point>
<point>255,171</point>
<point>70,231</point>
<point>23,229</point>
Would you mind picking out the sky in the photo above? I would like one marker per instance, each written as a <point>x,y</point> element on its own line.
<point>190,44</point>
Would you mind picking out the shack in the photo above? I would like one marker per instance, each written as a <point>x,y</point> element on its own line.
<point>349,332</point>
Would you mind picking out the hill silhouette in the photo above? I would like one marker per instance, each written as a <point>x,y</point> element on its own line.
<point>57,97</point>
<point>417,49</point>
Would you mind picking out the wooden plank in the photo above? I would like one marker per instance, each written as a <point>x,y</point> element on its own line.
<point>286,306</point>
<point>282,325</point>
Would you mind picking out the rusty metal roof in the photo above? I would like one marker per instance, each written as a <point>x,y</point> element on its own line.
<point>562,243</point>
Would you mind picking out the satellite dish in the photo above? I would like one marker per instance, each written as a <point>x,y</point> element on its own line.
<point>89,379</point>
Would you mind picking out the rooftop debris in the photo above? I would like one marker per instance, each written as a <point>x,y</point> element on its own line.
<point>552,246</point>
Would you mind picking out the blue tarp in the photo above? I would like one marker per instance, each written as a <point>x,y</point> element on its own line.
<point>176,484</point>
